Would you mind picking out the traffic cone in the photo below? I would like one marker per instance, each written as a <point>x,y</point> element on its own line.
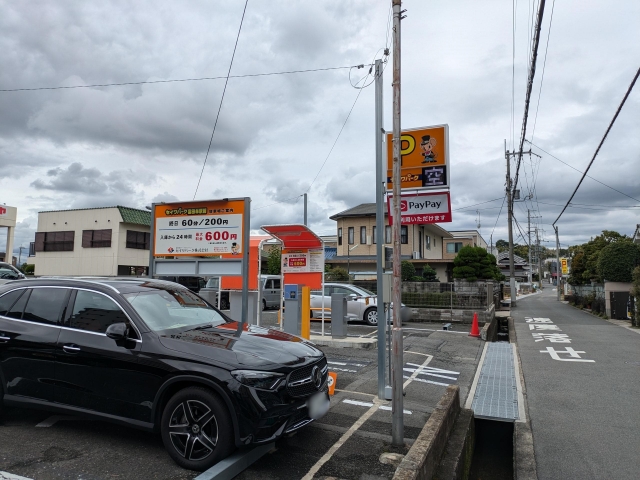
<point>475,331</point>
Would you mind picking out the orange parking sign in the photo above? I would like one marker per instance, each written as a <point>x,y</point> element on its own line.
<point>424,158</point>
<point>333,378</point>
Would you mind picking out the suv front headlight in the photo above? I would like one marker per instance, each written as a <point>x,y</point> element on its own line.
<point>257,379</point>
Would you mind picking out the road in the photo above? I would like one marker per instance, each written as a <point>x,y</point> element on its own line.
<point>584,414</point>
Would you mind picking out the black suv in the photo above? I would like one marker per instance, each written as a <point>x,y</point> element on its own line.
<point>153,355</point>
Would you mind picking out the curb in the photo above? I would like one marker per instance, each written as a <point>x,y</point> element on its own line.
<point>424,456</point>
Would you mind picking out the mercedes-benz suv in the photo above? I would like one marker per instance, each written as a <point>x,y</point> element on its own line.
<point>153,355</point>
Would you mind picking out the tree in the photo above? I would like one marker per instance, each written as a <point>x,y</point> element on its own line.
<point>274,261</point>
<point>586,269</point>
<point>617,261</point>
<point>474,263</point>
<point>502,246</point>
<point>635,291</point>
<point>407,271</point>
<point>429,274</point>
<point>337,274</point>
<point>521,250</point>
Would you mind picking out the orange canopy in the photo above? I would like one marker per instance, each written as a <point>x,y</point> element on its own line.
<point>294,236</point>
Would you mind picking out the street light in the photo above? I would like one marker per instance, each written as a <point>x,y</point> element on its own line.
<point>348,256</point>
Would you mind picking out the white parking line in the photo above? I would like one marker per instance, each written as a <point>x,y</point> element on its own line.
<point>369,404</point>
<point>11,476</point>
<point>358,423</point>
<point>426,373</point>
<point>342,369</point>
<point>429,381</point>
<point>52,421</point>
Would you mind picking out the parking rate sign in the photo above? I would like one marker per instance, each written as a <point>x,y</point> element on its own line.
<point>210,228</point>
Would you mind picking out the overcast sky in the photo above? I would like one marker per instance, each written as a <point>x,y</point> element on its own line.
<point>132,145</point>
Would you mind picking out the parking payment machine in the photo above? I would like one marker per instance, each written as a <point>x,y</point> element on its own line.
<point>292,321</point>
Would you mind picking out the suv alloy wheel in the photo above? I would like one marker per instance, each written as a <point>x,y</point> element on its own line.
<point>196,429</point>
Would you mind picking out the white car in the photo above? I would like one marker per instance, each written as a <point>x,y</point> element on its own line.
<point>361,303</point>
<point>8,272</point>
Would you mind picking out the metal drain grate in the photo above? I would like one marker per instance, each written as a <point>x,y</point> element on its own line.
<point>496,394</point>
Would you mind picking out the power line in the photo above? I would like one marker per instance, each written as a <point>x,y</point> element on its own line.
<point>580,171</point>
<point>475,204</point>
<point>286,200</point>
<point>633,82</point>
<point>544,64</point>
<point>499,213</point>
<point>532,72</point>
<point>336,140</point>
<point>177,80</point>
<point>221,99</point>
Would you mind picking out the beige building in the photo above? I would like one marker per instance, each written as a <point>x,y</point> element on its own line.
<point>109,241</point>
<point>356,246</point>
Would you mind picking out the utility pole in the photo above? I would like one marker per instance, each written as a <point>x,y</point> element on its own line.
<point>397,400</point>
<point>305,211</point>
<point>379,238</point>
<point>529,249</point>
<point>512,272</point>
<point>558,269</point>
<point>539,258</point>
<point>20,257</point>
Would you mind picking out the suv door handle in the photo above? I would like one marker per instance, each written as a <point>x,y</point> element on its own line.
<point>71,348</point>
<point>3,338</point>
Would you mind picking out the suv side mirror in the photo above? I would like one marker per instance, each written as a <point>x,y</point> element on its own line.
<point>117,331</point>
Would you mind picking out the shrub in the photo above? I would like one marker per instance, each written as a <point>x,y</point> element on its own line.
<point>417,279</point>
<point>473,263</point>
<point>407,271</point>
<point>337,274</point>
<point>617,261</point>
<point>429,274</point>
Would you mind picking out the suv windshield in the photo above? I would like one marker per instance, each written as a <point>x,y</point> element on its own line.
<point>171,309</point>
<point>363,291</point>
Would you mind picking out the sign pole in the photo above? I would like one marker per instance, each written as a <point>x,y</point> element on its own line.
<point>558,267</point>
<point>152,231</point>
<point>379,239</point>
<point>246,243</point>
<point>397,426</point>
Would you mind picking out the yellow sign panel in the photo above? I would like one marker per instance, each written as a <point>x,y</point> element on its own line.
<point>564,265</point>
<point>424,158</point>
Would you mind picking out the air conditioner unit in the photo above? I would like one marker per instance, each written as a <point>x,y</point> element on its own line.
<point>416,256</point>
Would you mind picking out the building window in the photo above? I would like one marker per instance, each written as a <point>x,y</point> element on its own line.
<point>340,236</point>
<point>427,242</point>
<point>54,241</point>
<point>374,235</point>
<point>351,234</point>
<point>454,247</point>
<point>363,235</point>
<point>96,238</point>
<point>139,240</point>
<point>126,270</point>
<point>32,249</point>
<point>387,234</point>
<point>404,234</point>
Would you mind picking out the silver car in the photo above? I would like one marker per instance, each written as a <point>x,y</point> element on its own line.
<point>361,303</point>
<point>8,272</point>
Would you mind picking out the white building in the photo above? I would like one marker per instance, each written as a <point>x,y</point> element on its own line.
<point>105,241</point>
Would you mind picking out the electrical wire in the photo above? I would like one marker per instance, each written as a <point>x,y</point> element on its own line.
<point>475,204</point>
<point>499,213</point>
<point>233,55</point>
<point>286,200</point>
<point>177,80</point>
<point>580,171</point>
<point>633,82</point>
<point>544,64</point>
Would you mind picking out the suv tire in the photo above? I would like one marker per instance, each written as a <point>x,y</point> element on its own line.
<point>196,429</point>
<point>371,316</point>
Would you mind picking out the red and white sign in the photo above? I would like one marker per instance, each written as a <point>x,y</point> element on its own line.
<point>422,208</point>
<point>3,211</point>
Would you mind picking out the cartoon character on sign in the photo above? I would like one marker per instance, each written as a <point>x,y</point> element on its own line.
<point>235,248</point>
<point>426,146</point>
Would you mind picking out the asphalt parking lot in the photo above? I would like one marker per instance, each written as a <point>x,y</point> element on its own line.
<point>346,443</point>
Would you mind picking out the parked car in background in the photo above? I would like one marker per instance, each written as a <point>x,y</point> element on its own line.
<point>192,283</point>
<point>271,291</point>
<point>8,273</point>
<point>153,355</point>
<point>210,294</point>
<point>361,303</point>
